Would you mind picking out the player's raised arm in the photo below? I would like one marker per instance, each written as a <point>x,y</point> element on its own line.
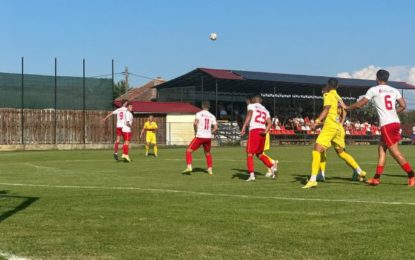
<point>402,105</point>
<point>363,101</point>
<point>107,116</point>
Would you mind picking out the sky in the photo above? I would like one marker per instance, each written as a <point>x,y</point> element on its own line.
<point>168,38</point>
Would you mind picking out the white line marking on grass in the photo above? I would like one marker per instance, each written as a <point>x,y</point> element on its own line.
<point>39,167</point>
<point>12,257</point>
<point>209,194</point>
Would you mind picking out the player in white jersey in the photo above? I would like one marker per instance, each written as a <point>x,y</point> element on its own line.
<point>120,115</point>
<point>203,127</point>
<point>259,121</point>
<point>126,132</point>
<point>385,99</point>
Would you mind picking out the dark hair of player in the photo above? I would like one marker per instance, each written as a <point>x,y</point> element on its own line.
<point>206,105</point>
<point>332,83</point>
<point>257,97</point>
<point>382,75</point>
<point>124,102</point>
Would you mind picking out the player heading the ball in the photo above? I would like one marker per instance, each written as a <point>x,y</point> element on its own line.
<point>120,115</point>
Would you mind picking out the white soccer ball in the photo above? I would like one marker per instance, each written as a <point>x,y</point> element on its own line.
<point>213,36</point>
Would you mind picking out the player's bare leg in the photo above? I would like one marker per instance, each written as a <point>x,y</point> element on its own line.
<point>349,160</point>
<point>250,165</point>
<point>209,162</point>
<point>189,159</point>
<point>398,156</point>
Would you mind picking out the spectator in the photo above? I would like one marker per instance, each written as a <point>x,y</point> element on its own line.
<point>413,135</point>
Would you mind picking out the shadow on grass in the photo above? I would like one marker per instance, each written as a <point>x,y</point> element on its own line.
<point>242,174</point>
<point>26,202</point>
<point>395,175</point>
<point>195,170</point>
<point>301,179</point>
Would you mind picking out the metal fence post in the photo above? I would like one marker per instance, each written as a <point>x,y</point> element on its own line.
<point>22,103</point>
<point>55,105</point>
<point>83,99</point>
<point>112,97</point>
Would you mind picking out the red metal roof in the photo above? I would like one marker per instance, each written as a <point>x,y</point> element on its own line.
<point>222,74</point>
<point>161,107</point>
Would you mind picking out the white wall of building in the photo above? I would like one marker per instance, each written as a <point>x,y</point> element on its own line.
<point>179,129</point>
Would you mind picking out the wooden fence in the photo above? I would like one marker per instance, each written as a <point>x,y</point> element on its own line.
<point>47,126</point>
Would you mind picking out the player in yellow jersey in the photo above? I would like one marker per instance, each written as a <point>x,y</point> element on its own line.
<point>331,134</point>
<point>150,129</point>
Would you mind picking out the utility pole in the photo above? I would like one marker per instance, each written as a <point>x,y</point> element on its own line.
<point>126,82</point>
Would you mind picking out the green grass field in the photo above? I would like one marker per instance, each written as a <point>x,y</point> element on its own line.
<point>84,205</point>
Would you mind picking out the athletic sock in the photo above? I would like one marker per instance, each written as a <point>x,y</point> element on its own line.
<point>125,149</point>
<point>315,165</point>
<point>155,150</point>
<point>116,147</point>
<point>379,169</point>
<point>188,158</point>
<point>323,162</point>
<point>266,160</point>
<point>408,169</point>
<point>250,163</point>
<point>350,161</point>
<point>209,160</point>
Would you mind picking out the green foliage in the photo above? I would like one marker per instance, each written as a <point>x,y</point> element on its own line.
<point>91,207</point>
<point>407,117</point>
<point>120,88</point>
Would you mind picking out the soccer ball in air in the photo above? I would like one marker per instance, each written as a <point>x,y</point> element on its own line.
<point>213,36</point>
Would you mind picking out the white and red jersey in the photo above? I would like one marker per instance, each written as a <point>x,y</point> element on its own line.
<point>120,112</point>
<point>385,98</point>
<point>128,118</point>
<point>204,124</point>
<point>259,116</point>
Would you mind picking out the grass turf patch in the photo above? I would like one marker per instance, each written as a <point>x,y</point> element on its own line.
<point>84,205</point>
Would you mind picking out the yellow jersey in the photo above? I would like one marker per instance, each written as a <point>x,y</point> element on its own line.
<point>334,116</point>
<point>150,127</point>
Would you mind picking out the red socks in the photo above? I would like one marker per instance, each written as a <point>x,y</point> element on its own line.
<point>250,163</point>
<point>266,160</point>
<point>407,168</point>
<point>116,147</point>
<point>188,158</point>
<point>125,149</point>
<point>209,160</point>
<point>379,169</point>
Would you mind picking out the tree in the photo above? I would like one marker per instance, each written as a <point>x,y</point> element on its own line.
<point>119,89</point>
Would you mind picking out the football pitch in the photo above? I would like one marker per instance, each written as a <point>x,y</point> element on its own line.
<point>85,205</point>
